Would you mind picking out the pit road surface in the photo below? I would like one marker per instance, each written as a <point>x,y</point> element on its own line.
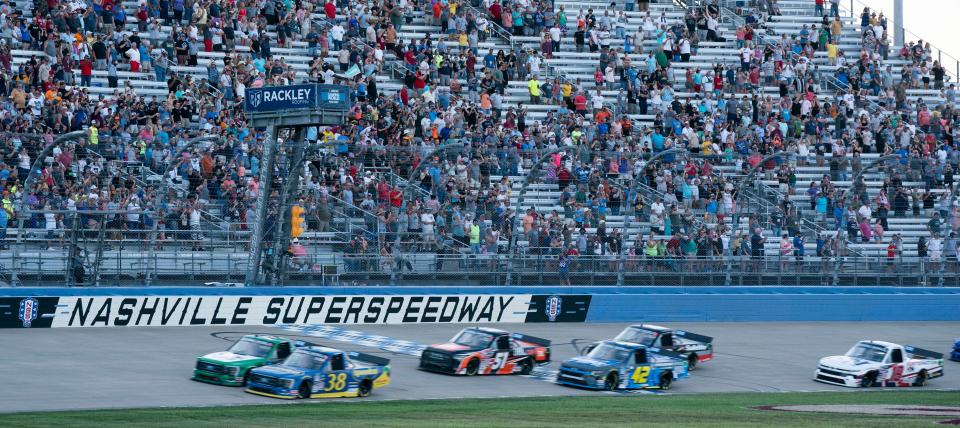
<point>92,368</point>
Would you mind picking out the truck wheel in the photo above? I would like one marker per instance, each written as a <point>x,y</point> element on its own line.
<point>526,367</point>
<point>869,380</point>
<point>246,377</point>
<point>365,388</point>
<point>692,361</point>
<point>921,378</point>
<point>666,381</point>
<point>473,367</point>
<point>612,382</point>
<point>304,390</point>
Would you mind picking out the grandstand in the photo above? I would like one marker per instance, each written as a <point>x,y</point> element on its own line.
<point>497,142</point>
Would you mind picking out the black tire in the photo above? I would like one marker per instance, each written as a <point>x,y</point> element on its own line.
<point>473,366</point>
<point>526,366</point>
<point>365,387</point>
<point>869,380</point>
<point>921,378</point>
<point>304,390</point>
<point>613,381</point>
<point>246,377</point>
<point>666,381</point>
<point>692,361</point>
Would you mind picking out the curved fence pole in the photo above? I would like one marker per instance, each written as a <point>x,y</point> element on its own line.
<point>534,171</point>
<point>28,185</point>
<point>853,184</point>
<point>161,195</point>
<point>452,145</point>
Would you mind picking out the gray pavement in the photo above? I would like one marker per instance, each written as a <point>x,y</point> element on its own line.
<point>59,369</point>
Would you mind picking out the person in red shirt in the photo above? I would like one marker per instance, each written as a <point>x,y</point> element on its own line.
<point>580,102</point>
<point>330,10</point>
<point>396,197</point>
<point>496,11</point>
<point>86,71</point>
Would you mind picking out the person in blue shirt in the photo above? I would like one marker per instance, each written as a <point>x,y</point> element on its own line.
<point>798,249</point>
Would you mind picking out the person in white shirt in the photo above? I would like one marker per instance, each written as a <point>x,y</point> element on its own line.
<point>555,35</point>
<point>336,33</point>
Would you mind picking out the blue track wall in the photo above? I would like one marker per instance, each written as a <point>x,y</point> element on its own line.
<point>632,304</point>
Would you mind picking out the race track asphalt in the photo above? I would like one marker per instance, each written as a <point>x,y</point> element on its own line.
<point>91,368</point>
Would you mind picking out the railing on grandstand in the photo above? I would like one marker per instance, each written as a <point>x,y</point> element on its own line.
<point>127,267</point>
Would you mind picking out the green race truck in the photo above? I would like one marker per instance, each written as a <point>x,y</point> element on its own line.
<point>231,367</point>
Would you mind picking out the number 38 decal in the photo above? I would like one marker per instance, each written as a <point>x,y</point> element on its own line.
<point>336,382</point>
<point>640,374</point>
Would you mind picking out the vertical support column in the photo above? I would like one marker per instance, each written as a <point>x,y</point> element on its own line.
<point>256,238</point>
<point>281,226</point>
<point>898,23</point>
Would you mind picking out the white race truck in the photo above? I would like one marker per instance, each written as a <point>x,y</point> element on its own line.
<point>877,363</point>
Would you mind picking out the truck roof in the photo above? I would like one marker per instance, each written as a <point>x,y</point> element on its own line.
<point>489,330</point>
<point>652,327</point>
<point>881,343</point>
<point>265,338</point>
<point>628,345</point>
<point>320,350</point>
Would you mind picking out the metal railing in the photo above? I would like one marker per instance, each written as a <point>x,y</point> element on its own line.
<point>535,268</point>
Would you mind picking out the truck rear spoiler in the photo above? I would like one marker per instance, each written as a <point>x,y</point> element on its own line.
<point>693,336</point>
<point>922,353</point>
<point>530,339</point>
<point>367,358</point>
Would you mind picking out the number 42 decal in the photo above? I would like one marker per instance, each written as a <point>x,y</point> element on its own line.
<point>640,374</point>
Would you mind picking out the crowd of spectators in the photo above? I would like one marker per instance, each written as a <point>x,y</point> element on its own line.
<point>453,90</point>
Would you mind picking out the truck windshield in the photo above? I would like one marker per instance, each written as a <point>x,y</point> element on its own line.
<point>304,361</point>
<point>868,352</point>
<point>609,353</point>
<point>473,339</point>
<point>252,348</point>
<point>637,335</point>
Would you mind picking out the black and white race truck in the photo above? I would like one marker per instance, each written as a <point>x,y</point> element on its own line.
<point>695,348</point>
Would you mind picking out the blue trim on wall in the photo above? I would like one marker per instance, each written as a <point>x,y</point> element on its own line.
<point>637,304</point>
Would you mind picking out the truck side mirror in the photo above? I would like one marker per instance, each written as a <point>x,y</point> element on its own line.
<point>640,357</point>
<point>503,343</point>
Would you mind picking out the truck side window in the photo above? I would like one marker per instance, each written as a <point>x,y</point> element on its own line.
<point>283,350</point>
<point>641,356</point>
<point>666,340</point>
<point>336,362</point>
<point>896,356</point>
<point>503,343</point>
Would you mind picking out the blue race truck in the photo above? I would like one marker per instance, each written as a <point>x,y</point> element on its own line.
<point>613,365</point>
<point>321,372</point>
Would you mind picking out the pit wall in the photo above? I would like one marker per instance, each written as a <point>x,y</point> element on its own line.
<point>256,306</point>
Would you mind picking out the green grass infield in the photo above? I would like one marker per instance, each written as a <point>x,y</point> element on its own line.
<point>725,409</point>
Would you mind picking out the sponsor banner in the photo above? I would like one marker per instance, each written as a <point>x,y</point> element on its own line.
<point>203,310</point>
<point>294,97</point>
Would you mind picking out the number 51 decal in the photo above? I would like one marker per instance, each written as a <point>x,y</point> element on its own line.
<point>640,374</point>
<point>499,360</point>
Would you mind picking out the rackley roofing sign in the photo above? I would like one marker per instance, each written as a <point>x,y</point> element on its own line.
<point>297,97</point>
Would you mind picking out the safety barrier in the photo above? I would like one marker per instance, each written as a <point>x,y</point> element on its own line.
<point>198,306</point>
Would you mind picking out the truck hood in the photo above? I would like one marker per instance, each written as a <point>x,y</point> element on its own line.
<point>844,362</point>
<point>589,364</point>
<point>280,372</point>
<point>226,357</point>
